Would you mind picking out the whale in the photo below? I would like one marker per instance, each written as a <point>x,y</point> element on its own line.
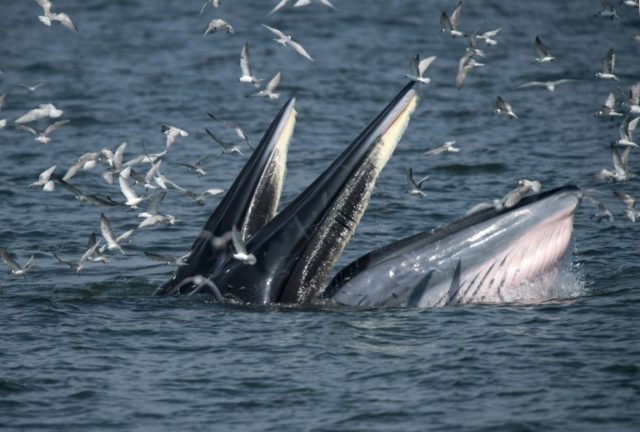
<point>487,256</point>
<point>490,256</point>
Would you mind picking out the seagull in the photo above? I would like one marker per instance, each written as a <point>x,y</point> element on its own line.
<point>217,24</point>
<point>77,266</point>
<point>114,160</point>
<point>85,162</point>
<point>634,99</point>
<point>487,37</point>
<point>301,3</point>
<point>549,85</point>
<point>228,147</point>
<point>626,132</point>
<point>524,186</point>
<point>245,67</point>
<point>608,108</point>
<point>107,233</point>
<point>415,185</point>
<point>152,217</point>
<point>43,111</point>
<point>33,87</point>
<point>240,249</point>
<point>132,198</point>
<point>630,202</point>
<point>450,24</point>
<point>14,267</point>
<point>45,181</point>
<point>195,168</point>
<point>608,65</point>
<point>620,165</point>
<point>214,3</point>
<point>97,256</point>
<point>154,175</point>
<point>608,11</point>
<point>466,64</point>
<point>285,40</point>
<point>49,16</point>
<point>417,69</point>
<point>542,55</point>
<point>199,198</point>
<point>172,133</point>
<point>182,261</point>
<point>447,147</point>
<point>269,90</point>
<point>84,198</point>
<point>603,211</point>
<point>43,136</point>
<point>503,107</point>
<point>236,128</point>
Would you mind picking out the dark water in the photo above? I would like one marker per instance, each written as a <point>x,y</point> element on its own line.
<point>95,352</point>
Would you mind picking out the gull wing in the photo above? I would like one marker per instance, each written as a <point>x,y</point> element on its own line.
<point>610,102</point>
<point>27,128</point>
<point>45,5</point>
<point>126,189</point>
<point>410,180</point>
<point>445,22</point>
<point>627,199</point>
<point>64,19</point>
<point>224,144</point>
<point>8,260</point>
<point>107,232</point>
<point>276,32</point>
<point>414,65</point>
<point>244,60</point>
<point>299,49</point>
<point>46,174</point>
<point>456,15</point>
<point>424,64</point>
<point>634,94</point>
<point>155,202</point>
<point>279,6</point>
<point>533,84</point>
<point>609,61</point>
<point>54,126</point>
<point>33,115</point>
<point>273,84</point>
<point>541,50</point>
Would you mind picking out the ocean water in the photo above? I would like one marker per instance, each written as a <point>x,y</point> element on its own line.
<point>96,352</point>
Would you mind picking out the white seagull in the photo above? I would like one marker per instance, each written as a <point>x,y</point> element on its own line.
<point>418,67</point>
<point>626,132</point>
<point>132,198</point>
<point>466,64</point>
<point>542,55</point>
<point>107,233</point>
<point>247,76</point>
<point>270,90</point>
<point>172,133</point>
<point>14,267</point>
<point>630,202</point>
<point>43,111</point>
<point>241,253</point>
<point>415,185</point>
<point>49,16</point>
<point>608,66</point>
<point>285,40</point>
<point>216,25</point>
<point>447,147</point>
<point>503,107</point>
<point>44,180</point>
<point>549,85</point>
<point>608,11</point>
<point>43,136</point>
<point>450,24</point>
<point>608,109</point>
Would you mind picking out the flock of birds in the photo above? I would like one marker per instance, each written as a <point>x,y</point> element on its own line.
<point>144,171</point>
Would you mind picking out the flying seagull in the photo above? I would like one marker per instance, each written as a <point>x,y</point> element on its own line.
<point>608,66</point>
<point>218,24</point>
<point>270,90</point>
<point>45,181</point>
<point>241,253</point>
<point>503,107</point>
<point>285,40</point>
<point>43,136</point>
<point>43,111</point>
<point>418,67</point>
<point>466,64</point>
<point>247,76</point>
<point>49,16</point>
<point>549,85</point>
<point>447,147</point>
<point>542,55</point>
<point>415,185</point>
<point>450,24</point>
<point>14,267</point>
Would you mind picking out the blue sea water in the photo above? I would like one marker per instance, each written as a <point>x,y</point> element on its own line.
<point>95,352</point>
